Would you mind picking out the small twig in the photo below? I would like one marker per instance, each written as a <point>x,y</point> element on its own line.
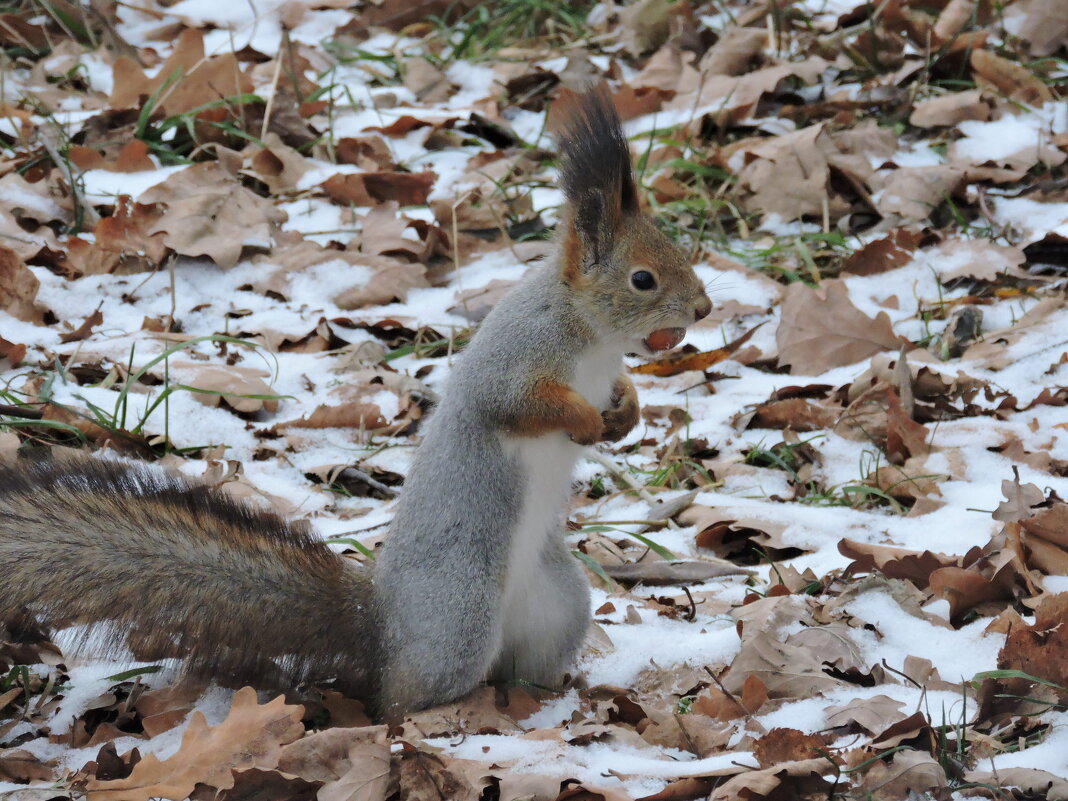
<point>456,232</point>
<point>354,472</point>
<point>690,614</point>
<point>621,475</point>
<point>174,294</point>
<point>20,411</point>
<point>270,98</point>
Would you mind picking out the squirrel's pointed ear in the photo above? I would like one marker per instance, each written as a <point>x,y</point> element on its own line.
<point>595,173</point>
<point>593,223</point>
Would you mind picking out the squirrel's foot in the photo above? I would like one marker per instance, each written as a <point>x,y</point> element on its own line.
<point>624,413</point>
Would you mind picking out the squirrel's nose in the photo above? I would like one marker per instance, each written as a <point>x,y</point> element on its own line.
<point>703,307</point>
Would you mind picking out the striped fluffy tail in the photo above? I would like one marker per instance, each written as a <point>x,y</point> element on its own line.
<point>175,569</point>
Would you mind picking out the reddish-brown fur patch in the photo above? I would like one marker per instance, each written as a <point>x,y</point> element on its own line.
<point>571,263</point>
<point>557,407</point>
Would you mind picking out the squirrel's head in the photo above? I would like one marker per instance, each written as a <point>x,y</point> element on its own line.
<point>630,278</point>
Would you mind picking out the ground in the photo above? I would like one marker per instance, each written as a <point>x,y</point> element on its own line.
<point>246,241</point>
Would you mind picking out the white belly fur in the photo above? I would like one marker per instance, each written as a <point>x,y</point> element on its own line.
<point>547,463</point>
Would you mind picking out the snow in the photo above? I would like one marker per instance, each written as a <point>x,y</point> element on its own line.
<point>957,654</point>
<point>103,186</point>
<point>1050,755</point>
<point>598,764</point>
<point>659,642</point>
<point>1012,134</point>
<point>1034,219</point>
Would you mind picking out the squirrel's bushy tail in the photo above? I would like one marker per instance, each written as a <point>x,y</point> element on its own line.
<point>180,571</point>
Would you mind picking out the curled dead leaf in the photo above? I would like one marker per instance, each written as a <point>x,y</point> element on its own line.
<point>367,189</point>
<point>241,388</point>
<point>1011,79</point>
<point>681,362</point>
<point>662,572</point>
<point>900,563</point>
<point>949,109</point>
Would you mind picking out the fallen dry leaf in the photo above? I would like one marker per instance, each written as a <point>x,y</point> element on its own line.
<point>241,388</point>
<point>912,193</point>
<point>868,714</point>
<point>18,287</point>
<point>209,213</point>
<point>966,588</point>
<point>785,780</point>
<point>976,258</point>
<point>1040,783</point>
<point>955,17</point>
<point>194,79</point>
<point>276,164</point>
<point>1011,79</point>
<point>821,329</point>
<point>787,745</point>
<point>881,255</point>
<point>367,189</point>
<point>653,572</point>
<point>1041,649</point>
<point>251,736</point>
<point>905,438</point>
<point>797,414</point>
<point>908,774</point>
<point>11,354</point>
<point>122,243</point>
<point>681,362</point>
<point>901,563</point>
<point>352,763</point>
<point>1045,535</point>
<point>737,94</point>
<point>83,330</point>
<point>1019,500</point>
<point>788,175</point>
<point>1041,23</point>
<point>20,766</point>
<point>132,157</point>
<point>949,109</point>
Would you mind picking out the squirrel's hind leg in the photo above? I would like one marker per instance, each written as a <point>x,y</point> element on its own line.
<point>433,659</point>
<point>545,628</point>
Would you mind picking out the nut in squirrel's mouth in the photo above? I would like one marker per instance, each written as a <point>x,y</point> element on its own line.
<point>664,339</point>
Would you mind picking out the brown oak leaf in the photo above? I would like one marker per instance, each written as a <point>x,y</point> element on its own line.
<point>209,213</point>
<point>821,329</point>
<point>252,736</point>
<point>18,287</point>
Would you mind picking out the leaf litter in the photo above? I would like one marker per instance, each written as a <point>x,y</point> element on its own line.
<point>247,241</point>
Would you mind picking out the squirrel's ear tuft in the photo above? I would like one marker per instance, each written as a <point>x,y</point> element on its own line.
<point>595,168</point>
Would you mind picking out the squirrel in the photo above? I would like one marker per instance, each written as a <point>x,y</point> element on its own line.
<point>474,580</point>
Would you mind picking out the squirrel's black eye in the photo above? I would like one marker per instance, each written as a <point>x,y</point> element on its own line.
<point>643,280</point>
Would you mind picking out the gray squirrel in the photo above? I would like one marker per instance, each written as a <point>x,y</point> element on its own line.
<point>474,580</point>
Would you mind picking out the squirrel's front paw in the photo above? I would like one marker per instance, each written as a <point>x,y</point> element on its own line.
<point>586,427</point>
<point>624,414</point>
